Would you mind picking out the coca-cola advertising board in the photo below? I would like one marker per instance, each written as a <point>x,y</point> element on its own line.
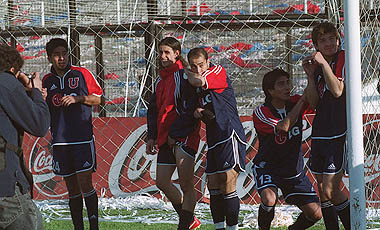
<point>123,167</point>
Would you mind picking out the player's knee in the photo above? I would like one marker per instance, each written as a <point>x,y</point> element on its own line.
<point>315,216</point>
<point>269,198</point>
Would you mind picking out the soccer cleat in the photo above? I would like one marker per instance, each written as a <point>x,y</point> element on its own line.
<point>196,223</point>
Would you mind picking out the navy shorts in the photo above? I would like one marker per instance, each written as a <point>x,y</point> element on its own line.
<point>225,156</point>
<point>71,159</point>
<point>296,190</point>
<point>166,154</point>
<point>328,156</point>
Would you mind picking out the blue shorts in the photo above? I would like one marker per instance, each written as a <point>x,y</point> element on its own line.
<point>328,156</point>
<point>166,154</point>
<point>296,190</point>
<point>71,159</point>
<point>225,156</point>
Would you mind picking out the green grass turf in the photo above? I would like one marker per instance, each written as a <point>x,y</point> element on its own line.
<point>67,225</point>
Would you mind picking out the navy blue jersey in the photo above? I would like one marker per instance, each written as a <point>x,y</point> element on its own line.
<point>218,96</point>
<point>278,151</point>
<point>72,124</point>
<point>330,120</point>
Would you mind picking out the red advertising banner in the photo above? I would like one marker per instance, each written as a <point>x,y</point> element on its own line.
<point>123,167</point>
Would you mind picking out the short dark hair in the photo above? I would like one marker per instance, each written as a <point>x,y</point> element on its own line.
<point>175,45</point>
<point>54,43</point>
<point>10,57</point>
<point>270,79</point>
<point>196,53</point>
<point>322,29</point>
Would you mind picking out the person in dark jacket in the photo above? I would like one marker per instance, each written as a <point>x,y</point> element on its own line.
<point>22,109</point>
<point>172,128</point>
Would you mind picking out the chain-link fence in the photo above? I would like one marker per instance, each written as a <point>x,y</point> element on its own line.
<point>117,41</point>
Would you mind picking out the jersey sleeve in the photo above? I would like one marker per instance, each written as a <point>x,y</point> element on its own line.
<point>264,120</point>
<point>92,84</point>
<point>152,114</point>
<point>216,78</point>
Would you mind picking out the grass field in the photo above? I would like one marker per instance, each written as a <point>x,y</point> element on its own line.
<point>158,215</point>
<point>66,225</point>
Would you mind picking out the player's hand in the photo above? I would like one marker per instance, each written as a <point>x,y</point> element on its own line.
<point>309,65</point>
<point>68,100</point>
<point>44,93</point>
<point>150,147</point>
<point>198,113</point>
<point>36,81</point>
<point>171,141</point>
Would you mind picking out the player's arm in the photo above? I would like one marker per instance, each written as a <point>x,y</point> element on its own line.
<point>311,91</point>
<point>195,79</point>
<point>292,117</point>
<point>87,100</point>
<point>334,84</point>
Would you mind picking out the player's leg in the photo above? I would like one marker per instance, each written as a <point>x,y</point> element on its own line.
<point>227,181</point>
<point>75,201</point>
<point>85,165</point>
<point>166,165</point>
<point>266,209</point>
<point>216,201</point>
<point>310,214</point>
<point>90,197</point>
<point>308,202</point>
<point>267,190</point>
<point>63,166</point>
<point>317,165</point>
<point>329,214</point>
<point>185,165</point>
<point>332,190</point>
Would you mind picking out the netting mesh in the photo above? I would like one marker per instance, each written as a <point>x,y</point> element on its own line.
<point>117,42</point>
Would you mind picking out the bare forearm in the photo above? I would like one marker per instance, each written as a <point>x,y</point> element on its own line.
<point>89,100</point>
<point>335,86</point>
<point>311,94</point>
<point>291,118</point>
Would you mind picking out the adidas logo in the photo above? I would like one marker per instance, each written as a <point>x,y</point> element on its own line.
<point>86,164</point>
<point>53,87</point>
<point>226,165</point>
<point>332,166</point>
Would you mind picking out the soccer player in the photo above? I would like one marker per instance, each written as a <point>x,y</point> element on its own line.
<point>172,128</point>
<point>225,136</point>
<point>328,138</point>
<point>71,91</point>
<point>279,161</point>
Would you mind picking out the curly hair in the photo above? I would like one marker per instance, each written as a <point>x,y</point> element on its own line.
<point>10,57</point>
